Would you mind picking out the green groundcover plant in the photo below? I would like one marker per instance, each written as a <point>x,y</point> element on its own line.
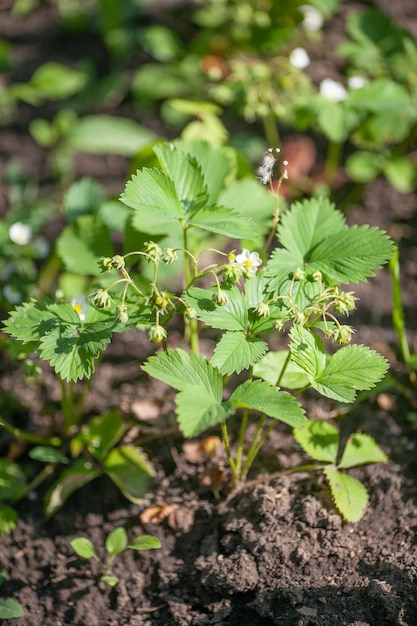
<point>116,543</point>
<point>212,239</point>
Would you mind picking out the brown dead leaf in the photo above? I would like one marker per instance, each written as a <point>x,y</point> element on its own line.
<point>156,514</point>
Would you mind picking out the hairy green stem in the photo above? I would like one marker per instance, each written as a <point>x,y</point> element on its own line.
<point>45,441</point>
<point>398,317</point>
<point>332,162</point>
<point>230,460</point>
<point>191,324</point>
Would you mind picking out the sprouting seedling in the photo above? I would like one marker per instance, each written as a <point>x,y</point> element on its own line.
<point>116,543</point>
<point>320,440</point>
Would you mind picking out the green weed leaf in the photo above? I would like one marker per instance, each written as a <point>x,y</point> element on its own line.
<point>361,449</point>
<point>320,440</point>
<point>84,548</point>
<point>350,496</point>
<point>110,580</point>
<point>258,395</point>
<point>116,541</point>
<point>129,470</point>
<point>236,352</point>
<point>8,519</point>
<point>145,542</point>
<point>10,609</point>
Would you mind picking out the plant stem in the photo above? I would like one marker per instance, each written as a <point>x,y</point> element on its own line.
<point>398,318</point>
<point>39,478</point>
<point>242,432</point>
<point>46,441</point>
<point>230,460</point>
<point>284,367</point>
<point>271,130</point>
<point>191,324</point>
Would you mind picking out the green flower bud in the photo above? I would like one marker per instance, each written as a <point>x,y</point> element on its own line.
<point>191,313</point>
<point>153,250</point>
<point>279,325</point>
<point>105,264</point>
<point>118,262</point>
<point>220,297</point>
<point>299,274</point>
<point>169,256</point>
<point>122,314</point>
<point>345,303</point>
<point>343,335</point>
<point>101,299</point>
<point>317,276</point>
<point>262,310</point>
<point>157,334</point>
<point>231,274</point>
<point>299,318</point>
<point>160,301</point>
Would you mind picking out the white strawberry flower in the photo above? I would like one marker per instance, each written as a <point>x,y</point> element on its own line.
<point>357,82</point>
<point>312,18</point>
<point>332,90</point>
<point>80,306</point>
<point>299,58</point>
<point>249,262</point>
<point>20,233</point>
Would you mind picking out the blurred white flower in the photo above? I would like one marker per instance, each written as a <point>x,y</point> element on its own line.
<point>299,58</point>
<point>249,262</point>
<point>313,19</point>
<point>12,294</point>
<point>332,90</point>
<point>20,233</point>
<point>80,306</point>
<point>356,82</point>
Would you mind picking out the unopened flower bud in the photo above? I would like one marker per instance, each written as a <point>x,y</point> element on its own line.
<point>160,301</point>
<point>169,255</point>
<point>317,276</point>
<point>279,325</point>
<point>344,303</point>
<point>299,318</point>
<point>153,250</point>
<point>118,262</point>
<point>157,334</point>
<point>343,334</point>
<point>105,264</point>
<point>220,297</point>
<point>191,313</point>
<point>122,314</point>
<point>262,310</point>
<point>299,274</point>
<point>101,299</point>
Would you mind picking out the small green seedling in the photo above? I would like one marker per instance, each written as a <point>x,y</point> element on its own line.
<point>9,608</point>
<point>320,440</point>
<point>116,544</point>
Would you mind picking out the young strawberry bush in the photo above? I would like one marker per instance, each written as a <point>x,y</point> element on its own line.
<point>242,269</point>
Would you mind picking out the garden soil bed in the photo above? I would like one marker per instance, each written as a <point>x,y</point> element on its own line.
<point>274,552</point>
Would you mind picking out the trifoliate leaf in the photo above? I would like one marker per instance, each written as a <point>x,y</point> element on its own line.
<point>270,366</point>
<point>224,221</point>
<point>185,173</point>
<point>232,316</point>
<point>198,409</point>
<point>361,449</point>
<point>350,496</point>
<point>153,193</point>
<point>350,369</point>
<point>258,395</point>
<point>320,440</point>
<point>236,352</point>
<point>307,351</point>
<point>180,370</point>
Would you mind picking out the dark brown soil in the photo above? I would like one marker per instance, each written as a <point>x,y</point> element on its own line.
<point>272,553</point>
